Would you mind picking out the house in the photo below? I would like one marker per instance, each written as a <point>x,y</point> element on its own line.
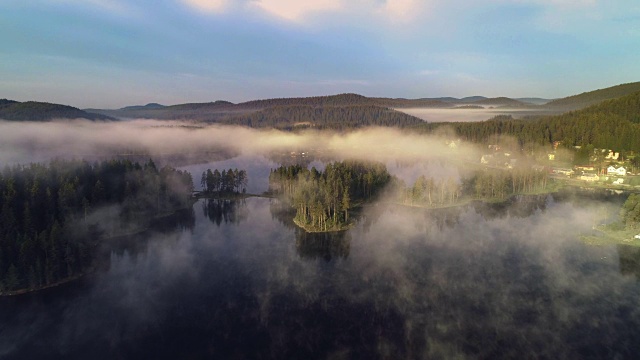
<point>612,155</point>
<point>637,236</point>
<point>551,156</point>
<point>612,170</point>
<point>560,171</point>
<point>584,167</point>
<point>590,177</point>
<point>618,182</point>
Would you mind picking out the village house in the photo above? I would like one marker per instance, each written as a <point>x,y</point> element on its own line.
<point>612,155</point>
<point>589,177</point>
<point>560,171</point>
<point>584,167</point>
<point>612,170</point>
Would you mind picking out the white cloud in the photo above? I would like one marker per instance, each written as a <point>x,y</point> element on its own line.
<point>296,10</point>
<point>401,10</point>
<point>208,5</point>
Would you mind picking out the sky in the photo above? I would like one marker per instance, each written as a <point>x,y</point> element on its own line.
<point>115,53</point>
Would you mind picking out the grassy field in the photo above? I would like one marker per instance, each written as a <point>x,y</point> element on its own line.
<point>609,236</point>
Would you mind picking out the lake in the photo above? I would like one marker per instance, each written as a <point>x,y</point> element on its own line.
<point>239,280</point>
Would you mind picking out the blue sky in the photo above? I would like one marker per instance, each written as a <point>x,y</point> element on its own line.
<point>113,53</point>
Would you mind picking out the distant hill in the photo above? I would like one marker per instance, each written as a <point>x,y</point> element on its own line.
<point>143,107</point>
<point>500,101</point>
<point>586,99</point>
<point>324,117</point>
<point>41,111</point>
<point>612,124</point>
<point>534,100</point>
<point>472,99</point>
<point>219,110</point>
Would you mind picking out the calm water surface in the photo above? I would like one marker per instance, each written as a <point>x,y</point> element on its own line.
<point>240,282</point>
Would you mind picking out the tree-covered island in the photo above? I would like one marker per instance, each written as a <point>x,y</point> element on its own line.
<point>225,182</point>
<point>323,199</point>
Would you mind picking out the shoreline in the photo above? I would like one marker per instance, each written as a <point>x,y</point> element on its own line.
<point>92,268</point>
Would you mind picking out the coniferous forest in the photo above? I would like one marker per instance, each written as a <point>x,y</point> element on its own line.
<point>483,184</point>
<point>322,199</point>
<point>612,124</point>
<point>47,233</point>
<point>225,182</point>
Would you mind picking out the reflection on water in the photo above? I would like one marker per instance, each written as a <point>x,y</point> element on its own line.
<point>325,246</point>
<point>456,283</point>
<point>227,211</point>
<point>629,260</point>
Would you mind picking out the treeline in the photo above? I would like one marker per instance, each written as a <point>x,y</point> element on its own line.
<point>227,181</point>
<point>484,184</point>
<point>45,234</point>
<point>630,212</point>
<point>594,97</point>
<point>322,199</point>
<point>40,111</point>
<point>328,117</point>
<point>613,124</point>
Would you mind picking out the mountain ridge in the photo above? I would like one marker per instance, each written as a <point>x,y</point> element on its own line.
<point>43,111</point>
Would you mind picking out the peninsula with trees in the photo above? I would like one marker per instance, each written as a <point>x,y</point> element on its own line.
<point>48,234</point>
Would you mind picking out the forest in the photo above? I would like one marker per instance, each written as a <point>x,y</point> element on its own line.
<point>225,182</point>
<point>612,124</point>
<point>630,212</point>
<point>322,199</point>
<point>484,184</point>
<point>328,117</point>
<point>47,233</point>
<point>40,111</point>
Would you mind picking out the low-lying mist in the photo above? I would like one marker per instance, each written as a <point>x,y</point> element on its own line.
<point>409,286</point>
<point>25,142</point>
<point>471,115</point>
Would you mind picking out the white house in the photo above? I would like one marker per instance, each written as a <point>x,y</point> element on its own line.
<point>612,170</point>
<point>612,155</point>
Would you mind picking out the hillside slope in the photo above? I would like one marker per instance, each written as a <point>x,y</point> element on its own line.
<point>589,98</point>
<point>613,124</point>
<point>40,111</point>
<point>326,117</point>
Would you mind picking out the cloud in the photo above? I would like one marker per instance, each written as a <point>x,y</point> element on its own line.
<point>294,10</point>
<point>401,10</point>
<point>208,5</point>
<point>392,11</point>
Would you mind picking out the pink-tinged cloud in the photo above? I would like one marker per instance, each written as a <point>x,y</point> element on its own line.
<point>296,10</point>
<point>208,5</point>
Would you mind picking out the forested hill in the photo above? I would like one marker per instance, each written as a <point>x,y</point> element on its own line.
<point>613,124</point>
<point>586,99</point>
<point>217,111</point>
<point>327,117</point>
<point>40,111</point>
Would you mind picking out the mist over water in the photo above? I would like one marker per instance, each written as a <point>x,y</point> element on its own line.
<point>466,282</point>
<point>240,280</point>
<point>470,115</point>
